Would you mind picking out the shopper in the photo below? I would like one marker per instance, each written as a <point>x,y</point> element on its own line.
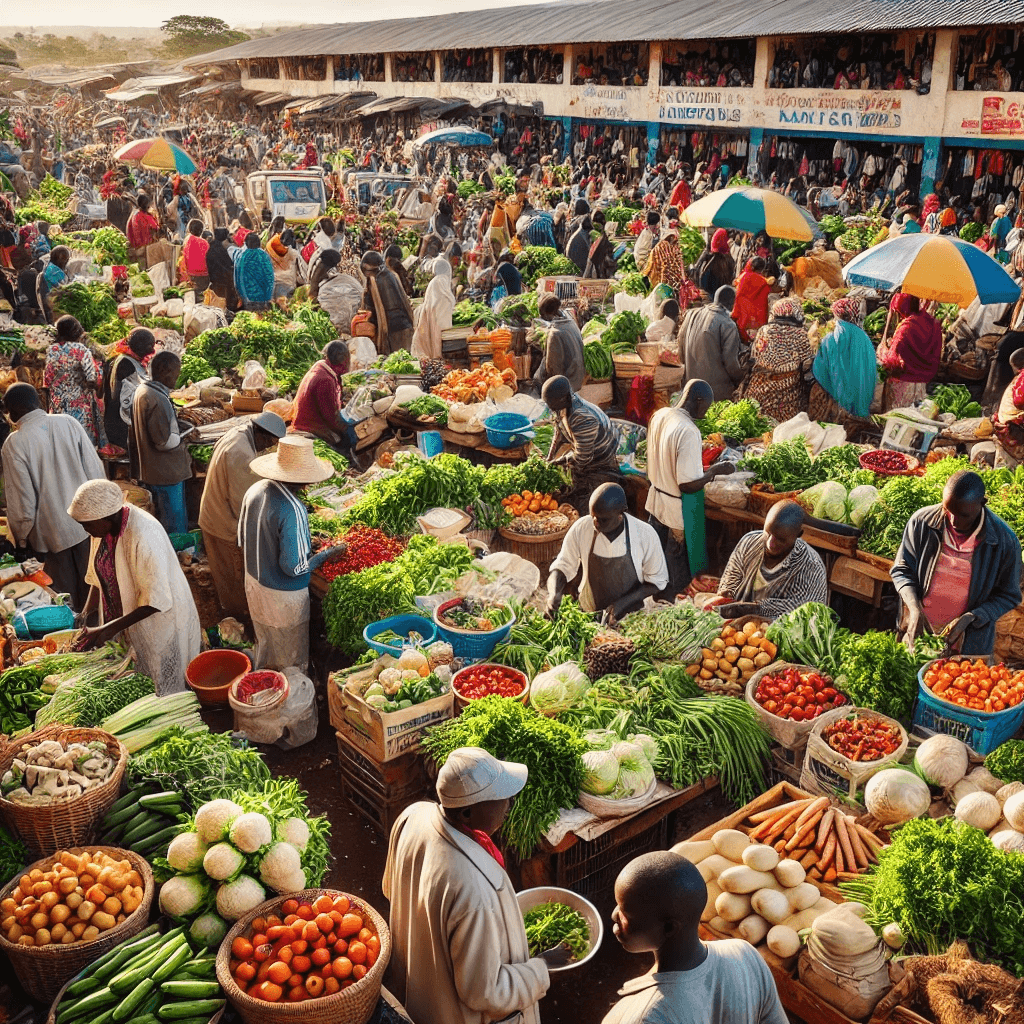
<point>711,347</point>
<point>845,371</point>
<point>71,377</point>
<point>782,360</point>
<point>389,306</point>
<point>911,358</point>
<point>121,376</point>
<point>563,345</point>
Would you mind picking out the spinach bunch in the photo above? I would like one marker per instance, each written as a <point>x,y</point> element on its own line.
<point>1006,762</point>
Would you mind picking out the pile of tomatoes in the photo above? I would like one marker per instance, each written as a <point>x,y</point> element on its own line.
<point>530,501</point>
<point>864,737</point>
<point>797,696</point>
<point>478,681</point>
<point>315,950</point>
<point>975,685</point>
<point>366,547</point>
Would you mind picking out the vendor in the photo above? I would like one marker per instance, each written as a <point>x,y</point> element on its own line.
<point>228,477</point>
<point>675,469</point>
<point>957,569</point>
<point>273,532</point>
<point>773,571</point>
<point>318,401</point>
<point>563,348</point>
<point>121,376</point>
<point>137,586</point>
<point>616,557</point>
<point>459,953</point>
<point>593,442</point>
<point>389,306</point>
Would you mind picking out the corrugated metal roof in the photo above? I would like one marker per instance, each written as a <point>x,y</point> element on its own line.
<point>595,21</point>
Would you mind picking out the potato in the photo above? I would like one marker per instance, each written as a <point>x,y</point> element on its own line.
<point>8,906</point>
<point>709,652</point>
<point>760,857</point>
<point>718,644</point>
<point>732,654</point>
<point>112,905</point>
<point>86,880</point>
<point>746,665</point>
<point>695,851</point>
<point>692,670</point>
<point>68,884</point>
<point>35,875</point>
<point>57,933</point>
<point>25,885</point>
<point>731,842</point>
<point>750,626</point>
<point>706,674</point>
<point>767,647</point>
<point>714,866</point>
<point>77,928</point>
<point>39,920</point>
<point>42,937</point>
<point>96,894</point>
<point>790,873</point>
<point>728,631</point>
<point>132,901</point>
<point>761,660</point>
<point>134,878</point>
<point>49,900</point>
<point>753,928</point>
<point>719,924</point>
<point>710,664</point>
<point>749,652</point>
<point>85,910</point>
<point>802,896</point>
<point>90,933</point>
<point>771,904</point>
<point>783,941</point>
<point>15,932</point>
<point>8,923</point>
<point>714,891</point>
<point>41,888</point>
<point>103,921</point>
<point>26,940</point>
<point>69,860</point>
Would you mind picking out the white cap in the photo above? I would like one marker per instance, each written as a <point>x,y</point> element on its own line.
<point>472,776</point>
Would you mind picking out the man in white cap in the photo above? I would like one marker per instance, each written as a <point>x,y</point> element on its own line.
<point>228,477</point>
<point>138,586</point>
<point>273,533</point>
<point>459,951</point>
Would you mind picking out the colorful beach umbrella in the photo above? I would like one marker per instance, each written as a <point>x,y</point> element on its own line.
<point>750,209</point>
<point>158,155</point>
<point>940,268</point>
<point>457,135</point>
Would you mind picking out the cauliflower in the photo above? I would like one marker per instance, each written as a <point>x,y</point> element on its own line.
<point>251,831</point>
<point>235,899</point>
<point>183,895</point>
<point>222,861</point>
<point>208,931</point>
<point>214,819</point>
<point>186,852</point>
<point>294,831</point>
<point>280,865</point>
<point>296,883</point>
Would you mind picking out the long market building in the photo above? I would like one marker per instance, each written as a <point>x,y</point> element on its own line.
<point>929,89</point>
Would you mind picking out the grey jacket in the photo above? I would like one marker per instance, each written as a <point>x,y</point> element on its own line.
<point>563,354</point>
<point>995,571</point>
<point>710,348</point>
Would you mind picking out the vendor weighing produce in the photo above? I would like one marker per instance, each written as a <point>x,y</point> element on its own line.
<point>616,557</point>
<point>958,569</point>
<point>593,441</point>
<point>460,953</point>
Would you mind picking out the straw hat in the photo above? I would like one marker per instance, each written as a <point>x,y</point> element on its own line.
<point>293,463</point>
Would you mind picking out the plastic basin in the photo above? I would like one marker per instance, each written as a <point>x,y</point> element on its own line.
<point>508,429</point>
<point>461,701</point>
<point>530,898</point>
<point>211,674</point>
<point>403,625</point>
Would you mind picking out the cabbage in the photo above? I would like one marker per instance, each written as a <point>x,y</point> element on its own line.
<point>896,795</point>
<point>635,771</point>
<point>861,499</point>
<point>601,772</point>
<point>558,689</point>
<point>600,739</point>
<point>941,761</point>
<point>827,501</point>
<point>648,744</point>
<point>629,754</point>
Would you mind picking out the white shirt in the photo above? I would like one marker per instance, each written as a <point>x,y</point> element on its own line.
<point>645,550</point>
<point>673,457</point>
<point>732,986</point>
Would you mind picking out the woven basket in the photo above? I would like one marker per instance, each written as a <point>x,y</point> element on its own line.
<point>486,537</point>
<point>44,970</point>
<point>52,1017</point>
<point>542,549</point>
<point>968,371</point>
<point>66,823</point>
<point>354,1005</point>
<point>761,500</point>
<point>845,255</point>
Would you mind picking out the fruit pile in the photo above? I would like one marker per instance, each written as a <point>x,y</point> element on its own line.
<point>529,501</point>
<point>975,685</point>
<point>797,696</point>
<point>315,950</point>
<point>864,737</point>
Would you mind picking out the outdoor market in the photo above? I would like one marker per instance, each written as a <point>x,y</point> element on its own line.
<point>444,557</point>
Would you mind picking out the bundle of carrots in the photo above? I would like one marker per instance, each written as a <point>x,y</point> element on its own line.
<point>831,846</point>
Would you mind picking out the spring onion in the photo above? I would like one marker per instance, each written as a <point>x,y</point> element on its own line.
<point>143,721</point>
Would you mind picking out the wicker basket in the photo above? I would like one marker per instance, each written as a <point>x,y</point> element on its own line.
<point>353,1005</point>
<point>761,499</point>
<point>44,970</point>
<point>968,371</point>
<point>486,537</point>
<point>845,255</point>
<point>66,823</point>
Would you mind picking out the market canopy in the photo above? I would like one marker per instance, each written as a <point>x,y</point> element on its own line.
<point>457,135</point>
<point>939,268</point>
<point>752,210</point>
<point>158,155</point>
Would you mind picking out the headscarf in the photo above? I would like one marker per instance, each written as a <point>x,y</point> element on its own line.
<point>788,309</point>
<point>276,246</point>
<point>849,310</point>
<point>510,278</point>
<point>904,304</point>
<point>720,241</point>
<point>931,204</point>
<point>948,217</point>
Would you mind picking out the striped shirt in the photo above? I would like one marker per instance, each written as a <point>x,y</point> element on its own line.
<point>798,578</point>
<point>593,438</point>
<point>539,231</point>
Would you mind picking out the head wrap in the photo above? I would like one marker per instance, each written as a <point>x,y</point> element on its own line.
<point>931,204</point>
<point>948,217</point>
<point>788,309</point>
<point>720,241</point>
<point>904,304</point>
<point>96,499</point>
<point>849,310</point>
<point>278,246</point>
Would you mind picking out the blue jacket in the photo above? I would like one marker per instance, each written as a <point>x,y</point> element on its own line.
<point>995,571</point>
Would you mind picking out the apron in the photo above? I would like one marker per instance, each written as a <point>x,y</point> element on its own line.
<point>693,532</point>
<point>608,579</point>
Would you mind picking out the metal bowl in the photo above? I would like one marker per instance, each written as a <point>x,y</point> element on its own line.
<point>530,898</point>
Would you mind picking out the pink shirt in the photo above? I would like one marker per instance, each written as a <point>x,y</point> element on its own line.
<point>946,599</point>
<point>194,252</point>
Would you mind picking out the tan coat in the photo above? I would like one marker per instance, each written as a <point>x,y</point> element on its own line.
<point>460,954</point>
<point>228,477</point>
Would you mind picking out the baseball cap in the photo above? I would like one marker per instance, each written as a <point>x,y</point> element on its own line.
<point>472,776</point>
<point>271,423</point>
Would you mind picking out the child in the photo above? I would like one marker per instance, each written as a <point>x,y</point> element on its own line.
<point>659,899</point>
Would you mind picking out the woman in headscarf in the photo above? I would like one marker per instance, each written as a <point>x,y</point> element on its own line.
<point>577,248</point>
<point>284,257</point>
<point>845,372</point>
<point>507,280</point>
<point>947,221</point>
<point>435,315</point>
<point>221,269</point>
<point>1008,420</point>
<point>782,360</point>
<point>72,378</point>
<point>911,357</point>
<point>930,213</point>
<point>393,261</point>
<point>665,264</point>
<point>751,309</point>
<point>601,263</point>
<point>275,227</point>
<point>716,266</point>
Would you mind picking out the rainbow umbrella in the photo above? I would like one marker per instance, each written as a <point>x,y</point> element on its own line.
<point>752,210</point>
<point>941,268</point>
<point>157,155</point>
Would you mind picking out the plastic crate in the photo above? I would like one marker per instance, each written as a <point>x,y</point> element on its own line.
<point>590,868</point>
<point>380,815</point>
<point>388,780</point>
<point>982,731</point>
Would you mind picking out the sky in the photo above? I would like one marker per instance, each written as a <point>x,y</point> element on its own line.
<point>241,13</point>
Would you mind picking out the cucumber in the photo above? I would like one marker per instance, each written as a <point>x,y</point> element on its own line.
<point>121,817</point>
<point>146,1018</point>
<point>88,1006</point>
<point>137,995</point>
<point>154,842</point>
<point>179,957</point>
<point>190,989</point>
<point>128,800</point>
<point>156,799</point>
<point>153,823</point>
<point>203,1008</point>
<point>136,970</point>
<point>144,942</point>
<point>82,987</point>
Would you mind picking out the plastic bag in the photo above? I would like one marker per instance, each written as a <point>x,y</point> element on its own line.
<point>360,405</point>
<point>728,491</point>
<point>362,353</point>
<point>630,302</point>
<point>254,376</point>
<point>339,298</point>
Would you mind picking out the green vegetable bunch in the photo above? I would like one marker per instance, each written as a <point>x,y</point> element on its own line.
<point>91,304</point>
<point>322,450</point>
<point>833,226</point>
<point>194,368</point>
<point>505,183</point>
<point>785,465</point>
<point>535,641</point>
<point>13,855</point>
<point>555,924</point>
<point>874,323</point>
<point>956,398</point>
<point>510,731</point>
<point>810,635</point>
<point>536,261</point>
<point>468,187</point>
<point>316,322</point>
<point>738,420</point>
<point>885,521</point>
<point>877,671</point>
<point>597,360</point>
<point>399,362</point>
<point>972,231</point>
<point>624,330</point>
<point>691,244</point>
<point>620,214</point>
<point>519,310</point>
<point>1006,762</point>
<point>467,313</point>
<point>633,284</point>
<point>54,192</point>
<point>535,474</point>
<point>431,406</point>
<point>110,248</point>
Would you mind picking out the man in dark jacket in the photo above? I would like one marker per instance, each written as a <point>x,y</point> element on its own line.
<point>958,568</point>
<point>710,346</point>
<point>563,353</point>
<point>389,306</point>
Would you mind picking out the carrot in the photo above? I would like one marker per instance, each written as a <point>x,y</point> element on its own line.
<point>830,875</point>
<point>847,876</point>
<point>840,862</point>
<point>780,847</point>
<point>844,841</point>
<point>870,838</point>
<point>815,874</point>
<point>860,853</point>
<point>790,831</point>
<point>808,860</point>
<point>776,812</point>
<point>824,828</point>
<point>779,827</point>
<point>805,831</point>
<point>829,852</point>
<point>816,807</point>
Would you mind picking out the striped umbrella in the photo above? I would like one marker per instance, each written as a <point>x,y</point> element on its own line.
<point>941,268</point>
<point>750,209</point>
<point>158,155</point>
